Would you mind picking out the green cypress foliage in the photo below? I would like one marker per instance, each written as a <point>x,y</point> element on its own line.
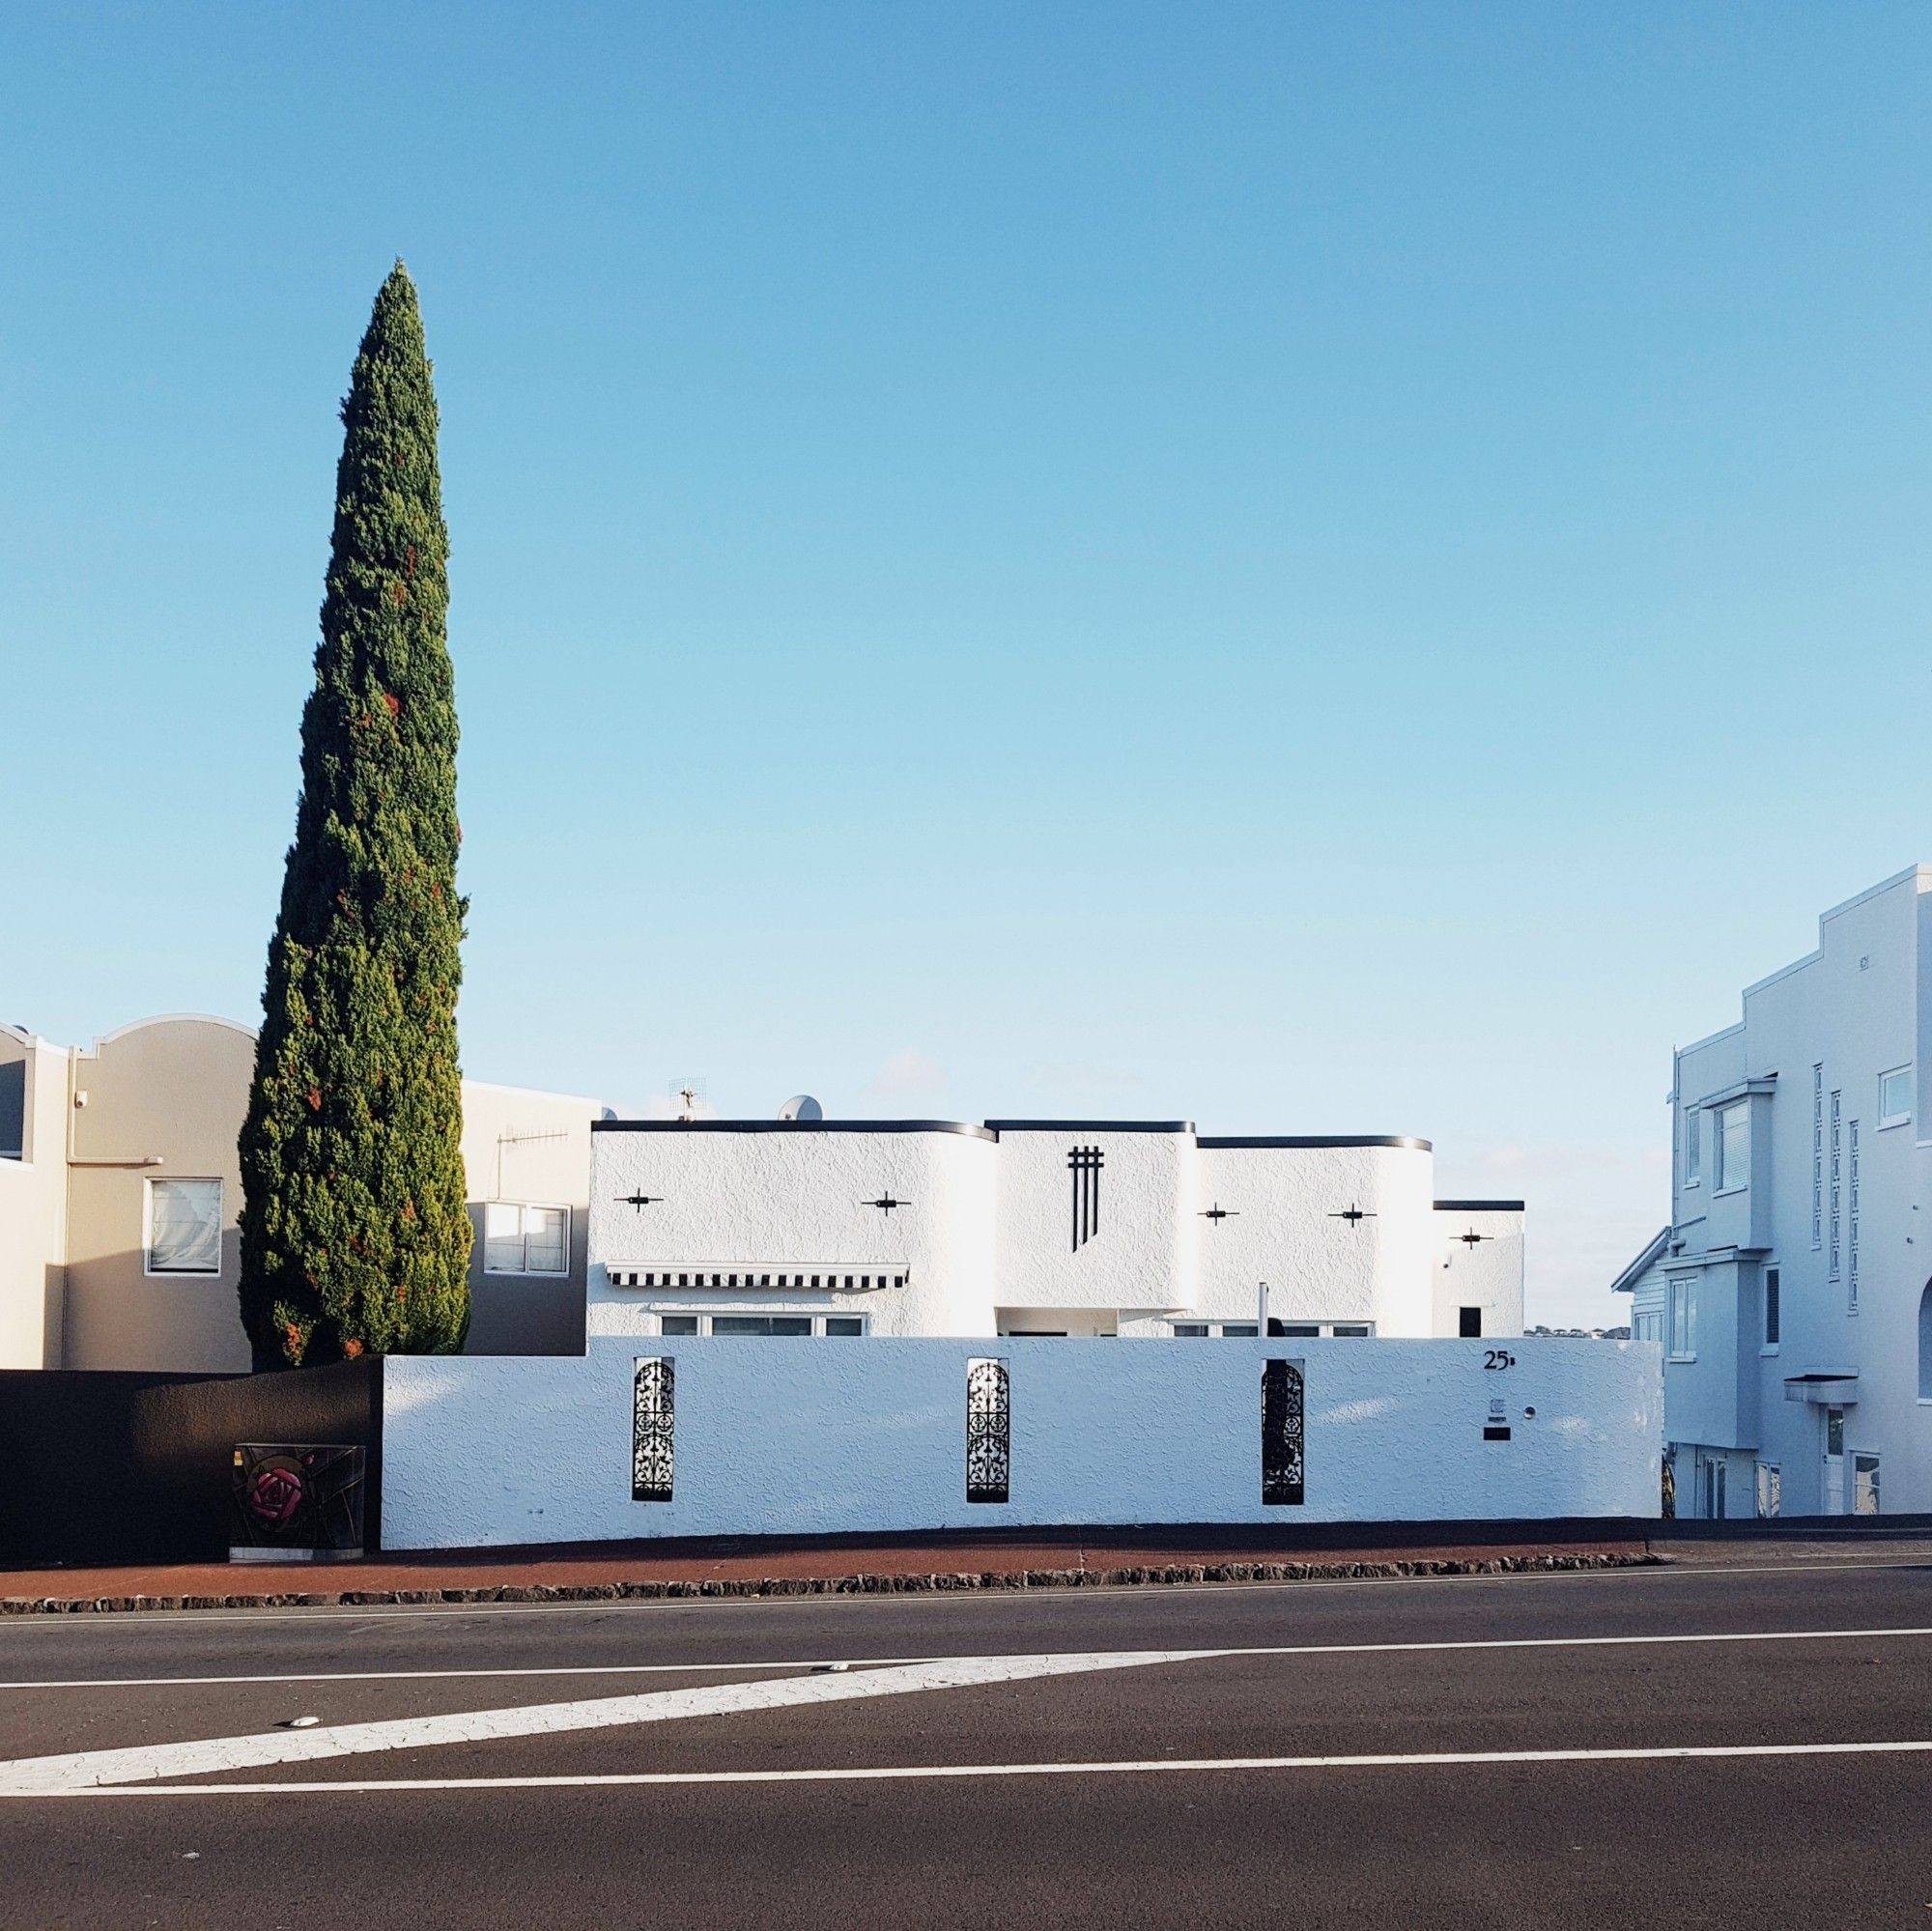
<point>354,1237</point>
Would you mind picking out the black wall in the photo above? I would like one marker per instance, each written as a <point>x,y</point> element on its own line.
<point>97,1466</point>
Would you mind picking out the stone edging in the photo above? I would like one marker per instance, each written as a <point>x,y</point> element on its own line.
<point>845,1585</point>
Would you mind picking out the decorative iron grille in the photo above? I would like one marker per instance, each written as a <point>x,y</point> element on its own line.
<point>652,1422</point>
<point>1281,1433</point>
<point>989,1430</point>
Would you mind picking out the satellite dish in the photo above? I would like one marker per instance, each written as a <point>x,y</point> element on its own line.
<point>801,1106</point>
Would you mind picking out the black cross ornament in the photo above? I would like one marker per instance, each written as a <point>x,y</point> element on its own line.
<point>1219,1212</point>
<point>885,1204</point>
<point>640,1199</point>
<point>1473,1240</point>
<point>1352,1214</point>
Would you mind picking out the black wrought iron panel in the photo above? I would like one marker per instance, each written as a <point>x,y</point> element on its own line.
<point>652,1421</point>
<point>989,1430</point>
<point>1281,1433</point>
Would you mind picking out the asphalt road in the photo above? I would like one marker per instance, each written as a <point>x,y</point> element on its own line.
<point>1130,1757</point>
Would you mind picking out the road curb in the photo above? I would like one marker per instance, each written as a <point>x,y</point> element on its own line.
<point>1136,1577</point>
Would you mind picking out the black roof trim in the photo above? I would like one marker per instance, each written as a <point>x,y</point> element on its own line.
<point>1091,1125</point>
<point>1479,1207</point>
<point>1327,1140</point>
<point>791,1127</point>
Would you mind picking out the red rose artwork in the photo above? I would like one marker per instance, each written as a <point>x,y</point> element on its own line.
<point>273,1494</point>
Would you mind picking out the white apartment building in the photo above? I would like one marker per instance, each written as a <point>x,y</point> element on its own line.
<point>1078,1228</point>
<point>1789,1289</point>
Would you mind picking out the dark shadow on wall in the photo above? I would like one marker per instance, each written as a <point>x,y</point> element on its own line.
<point>106,1466</point>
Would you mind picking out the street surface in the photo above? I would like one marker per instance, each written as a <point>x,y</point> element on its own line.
<point>1741,1738</point>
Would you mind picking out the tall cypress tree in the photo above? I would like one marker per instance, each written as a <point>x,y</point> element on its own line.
<point>354,1234</point>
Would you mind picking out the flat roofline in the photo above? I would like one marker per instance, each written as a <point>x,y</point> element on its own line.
<point>1320,1139</point>
<point>1091,1125</point>
<point>1479,1207</point>
<point>793,1126</point>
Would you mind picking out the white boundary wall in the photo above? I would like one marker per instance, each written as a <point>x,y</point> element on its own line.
<point>813,1436</point>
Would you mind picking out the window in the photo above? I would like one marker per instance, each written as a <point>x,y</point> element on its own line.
<point>1894,1096</point>
<point>1734,1146</point>
<point>1772,1284</point>
<point>1239,1330</point>
<point>1683,1321</point>
<point>1189,1330</point>
<point>1852,1221</point>
<point>1470,1322</point>
<point>183,1227</point>
<point>1837,1171</point>
<point>14,1110</point>
<point>526,1240</point>
<point>1351,1330</point>
<point>698,1326</point>
<point>1769,1496</point>
<point>1226,1330</point>
<point>1693,1146</point>
<point>1648,1326</point>
<point>1817,1157</point>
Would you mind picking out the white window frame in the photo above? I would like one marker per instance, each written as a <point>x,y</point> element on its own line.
<point>704,1316</point>
<point>1693,1148</point>
<point>524,1206</point>
<point>1724,1183</point>
<point>1887,1119</point>
<point>148,1267</point>
<point>1681,1294</point>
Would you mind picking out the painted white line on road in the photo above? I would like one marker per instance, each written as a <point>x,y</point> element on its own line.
<point>896,1661</point>
<point>202,1757</point>
<point>914,1773</point>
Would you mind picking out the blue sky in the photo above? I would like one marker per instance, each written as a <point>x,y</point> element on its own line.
<point>1313,568</point>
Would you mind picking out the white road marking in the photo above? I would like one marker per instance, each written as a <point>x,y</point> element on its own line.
<point>913,1772</point>
<point>896,1661</point>
<point>30,1775</point>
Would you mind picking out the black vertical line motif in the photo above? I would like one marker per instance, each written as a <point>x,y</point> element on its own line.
<point>1085,1164</point>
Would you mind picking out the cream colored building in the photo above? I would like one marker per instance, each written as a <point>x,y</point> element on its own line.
<point>120,1188</point>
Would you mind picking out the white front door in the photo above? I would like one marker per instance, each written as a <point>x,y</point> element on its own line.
<point>1864,1484</point>
<point>1835,1461</point>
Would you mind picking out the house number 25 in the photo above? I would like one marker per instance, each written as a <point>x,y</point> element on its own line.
<point>1498,1357</point>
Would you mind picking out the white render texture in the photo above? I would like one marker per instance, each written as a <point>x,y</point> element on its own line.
<point>983,1227</point>
<point>813,1436</point>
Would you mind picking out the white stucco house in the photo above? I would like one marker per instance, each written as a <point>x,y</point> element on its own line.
<point>1077,1228</point>
<point>1790,1290</point>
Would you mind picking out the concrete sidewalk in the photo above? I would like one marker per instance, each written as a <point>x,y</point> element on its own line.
<point>841,1565</point>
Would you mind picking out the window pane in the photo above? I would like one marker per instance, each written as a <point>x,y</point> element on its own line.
<point>790,1324</point>
<point>1299,1330</point>
<point>185,1227</point>
<point>1734,1146</point>
<point>1691,1147</point>
<point>1771,1309</point>
<point>679,1323</point>
<point>1239,1330</point>
<point>1894,1094</point>
<point>545,1246</point>
<point>741,1324</point>
<point>502,1238</point>
<point>1190,1331</point>
<point>843,1324</point>
<point>1349,1331</point>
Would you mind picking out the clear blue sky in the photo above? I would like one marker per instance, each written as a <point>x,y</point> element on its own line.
<point>1314,568</point>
